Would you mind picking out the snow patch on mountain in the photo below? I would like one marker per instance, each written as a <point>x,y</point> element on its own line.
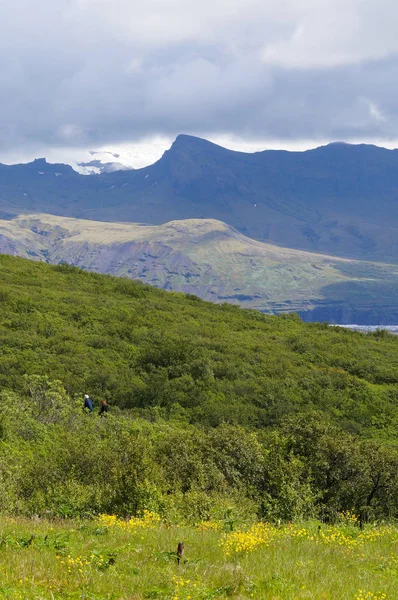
<point>97,166</point>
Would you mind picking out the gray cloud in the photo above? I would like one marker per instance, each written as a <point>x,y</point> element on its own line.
<point>91,72</point>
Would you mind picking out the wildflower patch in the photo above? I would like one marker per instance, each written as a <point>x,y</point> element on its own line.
<point>259,535</point>
<point>149,520</point>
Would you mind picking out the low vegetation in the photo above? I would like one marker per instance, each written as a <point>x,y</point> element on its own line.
<point>126,560</point>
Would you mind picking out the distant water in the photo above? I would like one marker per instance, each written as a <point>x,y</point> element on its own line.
<point>370,328</point>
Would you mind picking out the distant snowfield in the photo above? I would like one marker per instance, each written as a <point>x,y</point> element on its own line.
<point>134,155</point>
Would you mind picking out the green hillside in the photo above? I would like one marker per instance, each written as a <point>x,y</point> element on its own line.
<point>225,411</point>
<point>215,262</point>
<point>142,348</point>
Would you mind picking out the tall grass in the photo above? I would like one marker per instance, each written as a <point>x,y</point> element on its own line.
<point>111,559</point>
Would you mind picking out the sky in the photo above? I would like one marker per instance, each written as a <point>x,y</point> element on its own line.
<point>128,76</point>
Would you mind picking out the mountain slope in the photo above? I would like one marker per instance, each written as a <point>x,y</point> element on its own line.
<point>141,347</point>
<point>214,261</point>
<point>339,199</point>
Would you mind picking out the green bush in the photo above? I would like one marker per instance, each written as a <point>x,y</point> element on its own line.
<point>213,409</point>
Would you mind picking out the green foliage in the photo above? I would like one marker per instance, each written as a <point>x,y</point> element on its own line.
<point>57,460</point>
<point>214,410</point>
<point>140,348</point>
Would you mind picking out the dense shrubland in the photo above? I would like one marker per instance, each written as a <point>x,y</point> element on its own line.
<point>57,460</point>
<point>215,413</point>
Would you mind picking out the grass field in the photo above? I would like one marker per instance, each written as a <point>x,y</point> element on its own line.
<point>112,559</point>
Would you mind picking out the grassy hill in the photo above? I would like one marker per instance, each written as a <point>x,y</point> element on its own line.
<point>215,411</point>
<point>214,261</point>
<point>142,348</point>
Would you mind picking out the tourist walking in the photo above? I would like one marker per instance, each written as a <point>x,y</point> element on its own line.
<point>88,403</point>
<point>104,407</point>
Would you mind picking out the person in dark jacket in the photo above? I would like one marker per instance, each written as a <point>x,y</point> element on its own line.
<point>104,407</point>
<point>88,403</point>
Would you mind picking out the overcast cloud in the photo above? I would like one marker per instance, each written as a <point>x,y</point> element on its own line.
<point>86,73</point>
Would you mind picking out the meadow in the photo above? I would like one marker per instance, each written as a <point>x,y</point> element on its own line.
<point>110,558</point>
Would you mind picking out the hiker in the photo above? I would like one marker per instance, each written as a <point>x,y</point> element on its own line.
<point>88,403</point>
<point>104,407</point>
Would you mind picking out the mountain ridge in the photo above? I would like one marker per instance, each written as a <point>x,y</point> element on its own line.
<point>338,199</point>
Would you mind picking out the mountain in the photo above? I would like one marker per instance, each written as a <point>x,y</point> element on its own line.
<point>339,199</point>
<point>215,262</point>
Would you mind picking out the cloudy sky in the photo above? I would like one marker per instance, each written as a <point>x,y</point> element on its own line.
<point>132,74</point>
